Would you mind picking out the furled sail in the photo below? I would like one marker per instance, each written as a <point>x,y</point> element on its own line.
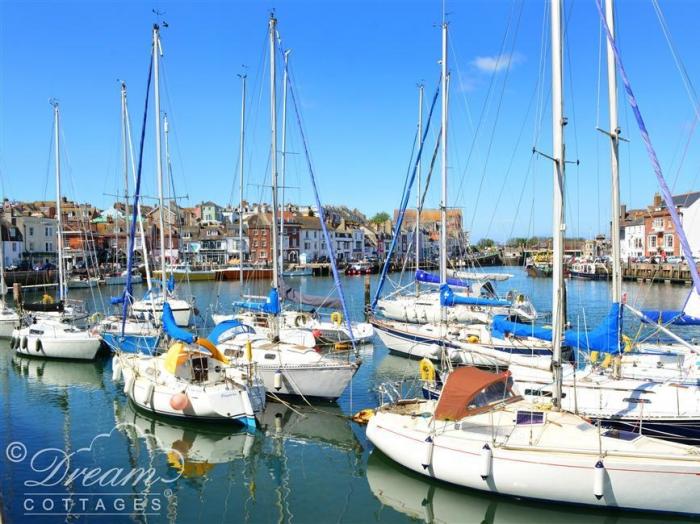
<point>688,316</point>
<point>271,306</point>
<point>294,295</point>
<point>448,299</point>
<point>429,278</point>
<point>604,338</point>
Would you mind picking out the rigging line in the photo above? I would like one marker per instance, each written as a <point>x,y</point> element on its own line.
<point>687,82</point>
<point>651,152</point>
<point>498,112</point>
<point>512,157</point>
<point>482,114</point>
<point>321,214</point>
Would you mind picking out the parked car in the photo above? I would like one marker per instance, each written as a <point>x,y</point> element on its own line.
<point>46,266</point>
<point>674,260</point>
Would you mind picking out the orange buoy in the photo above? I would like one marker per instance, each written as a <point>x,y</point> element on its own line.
<point>179,401</point>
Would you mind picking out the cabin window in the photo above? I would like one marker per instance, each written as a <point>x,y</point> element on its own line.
<point>529,417</point>
<point>496,392</point>
<point>621,434</point>
<point>270,356</point>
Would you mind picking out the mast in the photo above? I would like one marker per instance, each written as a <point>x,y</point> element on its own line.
<point>614,134</point>
<point>284,151</point>
<point>142,233</point>
<point>273,153</point>
<point>159,154</point>
<point>418,173</point>
<point>240,185</point>
<point>166,128</point>
<point>61,276</point>
<point>443,138</point>
<point>125,153</point>
<point>3,287</point>
<point>558,123</point>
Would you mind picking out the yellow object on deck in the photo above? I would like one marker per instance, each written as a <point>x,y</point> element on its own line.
<point>473,339</point>
<point>607,360</point>
<point>249,351</point>
<point>427,370</point>
<point>176,356</point>
<point>337,318</point>
<point>363,416</point>
<point>594,357</point>
<point>47,299</point>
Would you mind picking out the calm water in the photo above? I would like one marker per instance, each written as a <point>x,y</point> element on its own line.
<point>73,447</point>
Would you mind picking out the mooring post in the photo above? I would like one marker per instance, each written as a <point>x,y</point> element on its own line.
<point>367,297</point>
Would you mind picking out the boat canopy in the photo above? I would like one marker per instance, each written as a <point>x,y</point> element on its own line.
<point>448,298</point>
<point>291,294</point>
<point>688,316</point>
<point>179,353</point>
<point>271,306</point>
<point>228,329</point>
<point>459,397</point>
<point>429,278</point>
<point>605,337</point>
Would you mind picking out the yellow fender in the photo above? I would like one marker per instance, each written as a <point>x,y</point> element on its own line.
<point>427,370</point>
<point>337,318</point>
<point>629,345</point>
<point>47,299</point>
<point>473,339</point>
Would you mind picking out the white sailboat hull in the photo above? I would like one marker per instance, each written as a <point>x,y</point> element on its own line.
<point>9,321</point>
<point>55,340</point>
<point>565,473</point>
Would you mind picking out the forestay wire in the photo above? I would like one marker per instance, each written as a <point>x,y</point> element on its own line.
<point>404,202</point>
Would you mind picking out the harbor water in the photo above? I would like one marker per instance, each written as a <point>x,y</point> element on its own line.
<point>74,449</point>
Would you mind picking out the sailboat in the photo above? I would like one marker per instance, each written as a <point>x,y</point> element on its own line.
<point>50,337</point>
<point>286,368</point>
<point>124,331</point>
<point>476,299</point>
<point>151,306</point>
<point>481,434</point>
<point>193,380</point>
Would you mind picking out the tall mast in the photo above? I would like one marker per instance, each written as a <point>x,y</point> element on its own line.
<point>284,151</point>
<point>159,154</point>
<point>240,184</point>
<point>443,138</point>
<point>125,153</point>
<point>273,153</point>
<point>169,172</point>
<point>59,218</point>
<point>418,173</point>
<point>142,233</point>
<point>558,123</point>
<point>614,133</point>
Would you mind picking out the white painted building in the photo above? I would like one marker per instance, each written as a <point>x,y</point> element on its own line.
<point>12,245</point>
<point>311,242</point>
<point>689,207</point>
<point>632,240</point>
<point>40,237</point>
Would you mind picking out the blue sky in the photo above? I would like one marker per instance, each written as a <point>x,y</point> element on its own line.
<point>355,66</point>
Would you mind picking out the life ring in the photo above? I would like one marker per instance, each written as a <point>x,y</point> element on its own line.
<point>337,318</point>
<point>96,317</point>
<point>629,345</point>
<point>427,370</point>
<point>47,299</point>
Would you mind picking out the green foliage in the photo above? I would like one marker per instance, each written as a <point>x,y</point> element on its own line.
<point>379,218</point>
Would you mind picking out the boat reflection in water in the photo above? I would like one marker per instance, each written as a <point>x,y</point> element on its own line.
<point>191,449</point>
<point>60,373</point>
<point>437,502</point>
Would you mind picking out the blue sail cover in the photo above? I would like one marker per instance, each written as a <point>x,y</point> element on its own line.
<point>429,278</point>
<point>677,318</point>
<point>448,298</point>
<point>172,329</point>
<point>228,325</point>
<point>116,300</point>
<point>271,306</point>
<point>604,338</point>
<point>171,283</point>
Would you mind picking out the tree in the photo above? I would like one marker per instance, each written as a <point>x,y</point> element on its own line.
<point>379,218</point>
<point>485,243</point>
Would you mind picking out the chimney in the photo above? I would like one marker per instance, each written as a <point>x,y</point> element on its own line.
<point>623,211</point>
<point>657,200</point>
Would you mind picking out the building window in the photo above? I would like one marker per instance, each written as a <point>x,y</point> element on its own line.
<point>31,231</point>
<point>638,243</point>
<point>668,241</point>
<point>652,241</point>
<point>48,232</point>
<point>658,223</point>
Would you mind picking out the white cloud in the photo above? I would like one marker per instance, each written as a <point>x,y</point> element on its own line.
<point>490,64</point>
